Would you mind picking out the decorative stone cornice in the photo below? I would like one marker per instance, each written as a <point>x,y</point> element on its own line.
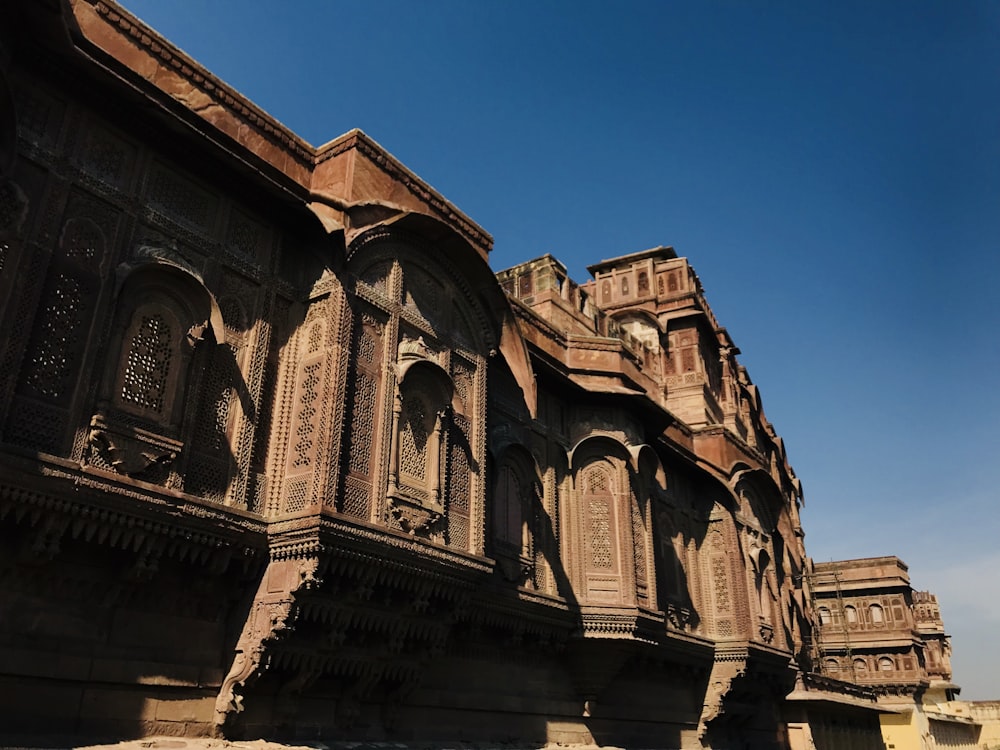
<point>97,517</point>
<point>213,87</point>
<point>333,539</point>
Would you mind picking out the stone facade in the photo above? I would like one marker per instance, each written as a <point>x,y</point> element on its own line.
<point>281,456</point>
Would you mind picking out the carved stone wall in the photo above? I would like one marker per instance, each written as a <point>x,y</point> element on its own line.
<point>280,456</point>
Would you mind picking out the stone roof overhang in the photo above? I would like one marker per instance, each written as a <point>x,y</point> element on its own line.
<point>662,253</point>
<point>935,715</point>
<point>829,698</point>
<point>811,688</point>
<point>101,41</point>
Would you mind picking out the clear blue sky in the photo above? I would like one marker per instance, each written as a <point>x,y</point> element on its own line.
<point>832,171</point>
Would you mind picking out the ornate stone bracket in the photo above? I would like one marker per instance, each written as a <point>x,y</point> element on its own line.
<point>131,451</point>
<point>415,517</point>
<point>515,568</point>
<point>766,631</point>
<point>725,672</point>
<point>272,618</point>
<point>679,617</point>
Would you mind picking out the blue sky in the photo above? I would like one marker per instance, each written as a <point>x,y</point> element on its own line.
<point>832,171</point>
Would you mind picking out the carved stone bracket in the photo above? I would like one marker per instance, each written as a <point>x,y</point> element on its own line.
<point>724,673</point>
<point>269,622</point>
<point>131,451</point>
<point>272,619</point>
<point>45,543</point>
<point>679,617</point>
<point>415,517</point>
<point>515,568</point>
<point>766,632</point>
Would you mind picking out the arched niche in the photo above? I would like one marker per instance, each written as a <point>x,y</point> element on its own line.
<point>513,514</point>
<point>609,522</point>
<point>475,292</point>
<point>416,389</point>
<point>422,407</point>
<point>760,507</point>
<point>643,326</point>
<point>164,323</point>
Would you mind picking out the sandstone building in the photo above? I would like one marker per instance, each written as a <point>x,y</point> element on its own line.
<point>281,456</point>
<point>876,631</point>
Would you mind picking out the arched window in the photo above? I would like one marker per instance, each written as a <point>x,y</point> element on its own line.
<point>513,521</point>
<point>831,666</point>
<point>643,282</point>
<point>164,313</point>
<point>148,364</point>
<point>602,491</point>
<point>876,614</point>
<point>885,664</point>
<point>824,616</point>
<point>167,324</point>
<point>624,286</point>
<point>850,613</point>
<point>860,666</point>
<point>418,432</point>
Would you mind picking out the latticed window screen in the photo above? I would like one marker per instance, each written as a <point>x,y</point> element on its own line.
<point>413,440</point>
<point>596,481</point>
<point>148,359</point>
<point>459,487</point>
<point>49,364</point>
<point>361,446</point>
<point>597,484</point>
<point>600,534</point>
<point>305,428</point>
<point>362,423</point>
<point>639,544</point>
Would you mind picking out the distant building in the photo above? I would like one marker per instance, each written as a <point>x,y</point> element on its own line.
<point>876,631</point>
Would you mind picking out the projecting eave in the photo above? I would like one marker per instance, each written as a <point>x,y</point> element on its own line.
<point>662,252</point>
<point>347,181</point>
<point>817,697</point>
<point>950,718</point>
<point>353,173</point>
<point>114,41</point>
<point>815,689</point>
